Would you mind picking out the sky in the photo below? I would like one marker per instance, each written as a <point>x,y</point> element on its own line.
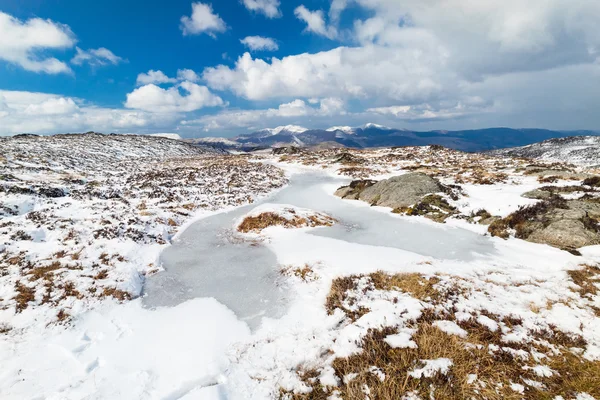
<point>227,67</point>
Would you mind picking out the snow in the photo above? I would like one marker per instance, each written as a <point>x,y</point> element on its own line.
<point>402,340</point>
<point>287,128</point>
<point>218,318</point>
<point>451,328</point>
<point>125,352</point>
<point>432,367</point>
<point>346,129</point>
<point>216,140</point>
<point>173,136</point>
<point>371,125</point>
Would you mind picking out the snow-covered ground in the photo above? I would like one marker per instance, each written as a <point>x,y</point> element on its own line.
<point>211,334</point>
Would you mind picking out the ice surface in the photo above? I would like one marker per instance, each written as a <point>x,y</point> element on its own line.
<point>210,260</point>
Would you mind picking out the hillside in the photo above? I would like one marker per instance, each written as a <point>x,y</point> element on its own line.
<point>578,150</point>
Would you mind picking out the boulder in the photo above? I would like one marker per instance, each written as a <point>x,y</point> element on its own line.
<point>537,194</point>
<point>400,191</point>
<point>565,234</point>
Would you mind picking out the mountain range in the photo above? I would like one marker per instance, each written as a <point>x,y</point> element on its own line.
<point>372,135</point>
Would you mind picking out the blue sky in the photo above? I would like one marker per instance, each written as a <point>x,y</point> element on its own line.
<point>69,65</point>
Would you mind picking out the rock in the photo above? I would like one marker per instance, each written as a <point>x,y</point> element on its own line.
<point>400,191</point>
<point>352,191</point>
<point>565,234</point>
<point>347,158</point>
<point>287,150</point>
<point>537,194</point>
<point>52,192</point>
<point>566,224</point>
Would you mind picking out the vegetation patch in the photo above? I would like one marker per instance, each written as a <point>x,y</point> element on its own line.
<point>476,364</point>
<point>287,218</point>
<point>432,206</point>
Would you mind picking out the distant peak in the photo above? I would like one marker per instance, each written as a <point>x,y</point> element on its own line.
<point>371,125</point>
<point>287,128</point>
<point>345,129</point>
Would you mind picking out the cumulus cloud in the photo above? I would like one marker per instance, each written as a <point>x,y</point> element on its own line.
<point>153,76</point>
<point>270,8</point>
<point>284,114</point>
<point>96,57</point>
<point>187,75</point>
<point>202,20</point>
<point>52,106</point>
<point>184,97</point>
<point>22,42</point>
<point>31,112</point>
<point>492,37</point>
<point>361,72</point>
<point>259,43</point>
<point>315,22</point>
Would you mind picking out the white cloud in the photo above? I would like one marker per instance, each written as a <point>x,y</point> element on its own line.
<point>492,37</point>
<point>436,111</point>
<point>31,112</point>
<point>362,72</point>
<point>96,57</point>
<point>203,20</point>
<point>335,10</point>
<point>259,43</point>
<point>286,113</point>
<point>153,76</point>
<point>52,106</point>
<point>270,8</point>
<point>184,97</point>
<point>187,75</point>
<point>21,43</point>
<point>315,22</point>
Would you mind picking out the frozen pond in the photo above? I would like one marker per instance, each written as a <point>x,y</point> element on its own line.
<point>209,260</point>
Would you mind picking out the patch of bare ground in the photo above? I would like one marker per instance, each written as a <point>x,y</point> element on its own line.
<point>483,365</point>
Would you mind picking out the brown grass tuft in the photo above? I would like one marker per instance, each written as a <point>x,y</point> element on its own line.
<point>24,296</point>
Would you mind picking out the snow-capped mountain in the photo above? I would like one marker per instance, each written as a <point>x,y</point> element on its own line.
<point>578,150</point>
<point>374,135</point>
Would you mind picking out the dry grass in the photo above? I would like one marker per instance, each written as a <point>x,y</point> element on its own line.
<point>120,295</point>
<point>264,220</point>
<point>482,352</point>
<point>46,272</point>
<point>24,296</point>
<point>417,285</point>
<point>587,278</point>
<point>305,273</point>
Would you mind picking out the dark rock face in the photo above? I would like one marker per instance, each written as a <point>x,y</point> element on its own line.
<point>399,191</point>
